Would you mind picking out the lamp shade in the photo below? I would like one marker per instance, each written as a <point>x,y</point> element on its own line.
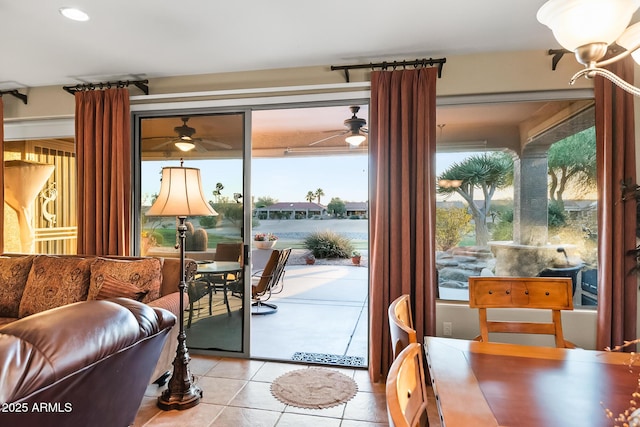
<point>181,194</point>
<point>578,23</point>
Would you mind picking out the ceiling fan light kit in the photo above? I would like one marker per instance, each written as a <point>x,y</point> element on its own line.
<point>589,27</point>
<point>354,124</point>
<point>355,139</point>
<point>185,145</point>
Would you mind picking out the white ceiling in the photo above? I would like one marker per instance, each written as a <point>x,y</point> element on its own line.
<point>156,38</point>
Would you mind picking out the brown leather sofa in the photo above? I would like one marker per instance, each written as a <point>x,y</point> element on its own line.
<point>82,364</point>
<point>168,299</point>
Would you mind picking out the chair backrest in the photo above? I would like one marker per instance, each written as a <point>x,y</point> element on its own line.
<point>266,275</point>
<point>229,252</point>
<point>406,389</point>
<point>551,293</point>
<point>401,324</point>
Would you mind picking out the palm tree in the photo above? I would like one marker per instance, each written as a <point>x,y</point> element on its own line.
<point>487,172</point>
<point>218,191</point>
<point>310,196</point>
<point>319,193</point>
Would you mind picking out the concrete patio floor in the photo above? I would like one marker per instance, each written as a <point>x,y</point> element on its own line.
<point>322,309</point>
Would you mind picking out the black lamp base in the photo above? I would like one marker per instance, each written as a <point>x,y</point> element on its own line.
<point>181,393</point>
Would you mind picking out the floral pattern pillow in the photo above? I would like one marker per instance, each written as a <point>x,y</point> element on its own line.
<point>13,279</point>
<point>54,282</point>
<point>145,274</point>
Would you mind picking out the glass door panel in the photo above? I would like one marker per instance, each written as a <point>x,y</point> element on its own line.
<point>212,143</point>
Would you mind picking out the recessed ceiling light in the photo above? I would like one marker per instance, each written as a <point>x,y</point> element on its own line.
<point>74,14</point>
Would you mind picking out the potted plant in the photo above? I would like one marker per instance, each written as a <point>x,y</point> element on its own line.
<point>265,240</point>
<point>310,259</point>
<point>355,257</point>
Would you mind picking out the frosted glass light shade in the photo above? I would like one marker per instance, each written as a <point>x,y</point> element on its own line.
<point>185,145</point>
<point>577,23</point>
<point>355,139</point>
<point>630,39</point>
<point>181,194</point>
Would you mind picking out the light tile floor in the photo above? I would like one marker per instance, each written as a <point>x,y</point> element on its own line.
<point>323,309</point>
<point>237,393</point>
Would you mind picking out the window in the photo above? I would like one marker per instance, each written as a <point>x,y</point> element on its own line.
<point>510,209</point>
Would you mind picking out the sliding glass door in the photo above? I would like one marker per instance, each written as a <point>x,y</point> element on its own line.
<point>214,144</point>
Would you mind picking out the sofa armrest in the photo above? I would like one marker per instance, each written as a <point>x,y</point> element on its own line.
<point>46,347</point>
<point>170,302</point>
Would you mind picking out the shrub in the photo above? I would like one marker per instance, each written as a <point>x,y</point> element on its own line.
<point>208,221</point>
<point>503,229</point>
<point>451,226</point>
<point>328,244</point>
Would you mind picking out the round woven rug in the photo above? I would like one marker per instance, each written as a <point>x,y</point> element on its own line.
<point>314,388</point>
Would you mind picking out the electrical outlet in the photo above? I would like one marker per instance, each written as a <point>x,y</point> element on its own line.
<point>447,329</point>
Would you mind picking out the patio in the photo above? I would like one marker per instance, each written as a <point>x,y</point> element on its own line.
<point>322,318</point>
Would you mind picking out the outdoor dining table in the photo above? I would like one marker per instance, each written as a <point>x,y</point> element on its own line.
<point>492,384</point>
<point>221,269</point>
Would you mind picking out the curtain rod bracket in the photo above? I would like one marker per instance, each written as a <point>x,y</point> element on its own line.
<point>557,56</point>
<point>140,84</point>
<point>395,64</point>
<point>15,93</point>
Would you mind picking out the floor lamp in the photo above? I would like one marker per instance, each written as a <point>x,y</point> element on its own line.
<point>181,196</point>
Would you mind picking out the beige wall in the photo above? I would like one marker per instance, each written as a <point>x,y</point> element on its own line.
<point>504,72</point>
<point>498,73</point>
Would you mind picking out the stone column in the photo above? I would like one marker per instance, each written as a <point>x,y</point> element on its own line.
<point>530,202</point>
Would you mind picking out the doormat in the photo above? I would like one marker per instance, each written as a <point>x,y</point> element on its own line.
<point>313,388</point>
<point>329,359</point>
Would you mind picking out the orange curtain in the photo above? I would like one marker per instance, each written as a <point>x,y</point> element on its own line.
<point>103,141</point>
<point>402,146</point>
<point>615,145</point>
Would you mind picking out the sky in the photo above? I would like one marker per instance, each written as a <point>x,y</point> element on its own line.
<point>285,179</point>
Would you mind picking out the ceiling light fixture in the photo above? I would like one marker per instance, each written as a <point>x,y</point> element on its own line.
<point>185,145</point>
<point>589,27</point>
<point>74,14</point>
<point>354,123</point>
<point>355,139</point>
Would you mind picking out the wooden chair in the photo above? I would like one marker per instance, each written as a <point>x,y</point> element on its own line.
<point>406,389</point>
<point>401,324</point>
<point>550,293</point>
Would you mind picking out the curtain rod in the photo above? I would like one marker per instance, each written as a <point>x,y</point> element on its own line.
<point>394,64</point>
<point>15,93</point>
<point>140,84</point>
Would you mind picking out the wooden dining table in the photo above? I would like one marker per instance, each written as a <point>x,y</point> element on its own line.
<point>493,384</point>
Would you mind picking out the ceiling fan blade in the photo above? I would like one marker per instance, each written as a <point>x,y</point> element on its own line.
<point>328,138</point>
<point>215,143</point>
<point>164,144</point>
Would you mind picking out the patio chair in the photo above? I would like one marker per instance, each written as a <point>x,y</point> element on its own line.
<point>269,281</point>
<point>401,324</point>
<point>224,252</point>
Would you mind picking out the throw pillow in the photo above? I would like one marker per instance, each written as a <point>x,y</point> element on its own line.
<point>145,274</point>
<point>13,279</point>
<point>112,288</point>
<point>54,282</point>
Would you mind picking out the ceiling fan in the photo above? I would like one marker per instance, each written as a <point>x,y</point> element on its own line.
<point>355,127</point>
<point>185,141</point>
